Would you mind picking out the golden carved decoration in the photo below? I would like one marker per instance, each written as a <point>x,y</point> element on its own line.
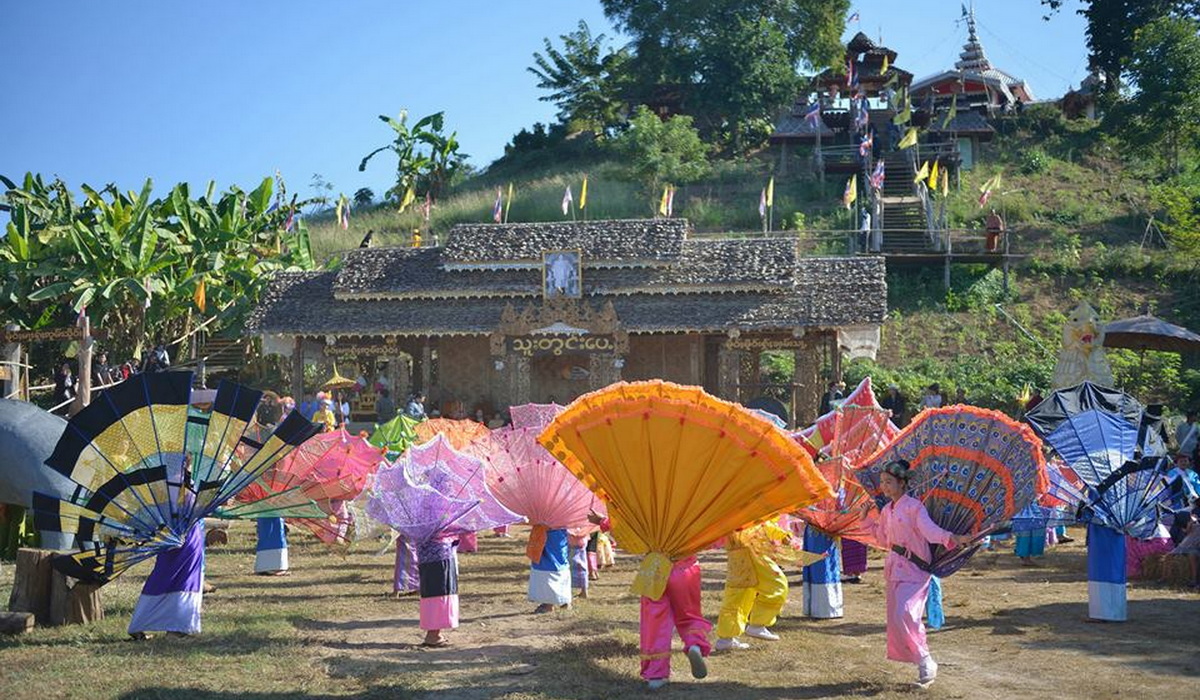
<point>573,313</point>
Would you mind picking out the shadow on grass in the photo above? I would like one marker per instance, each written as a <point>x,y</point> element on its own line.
<point>1151,638</point>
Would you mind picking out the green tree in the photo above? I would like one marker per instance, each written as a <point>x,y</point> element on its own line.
<point>1112,26</point>
<point>1178,207</point>
<point>584,79</point>
<point>1164,70</point>
<point>660,152</point>
<point>363,197</point>
<point>708,52</point>
<point>739,89</point>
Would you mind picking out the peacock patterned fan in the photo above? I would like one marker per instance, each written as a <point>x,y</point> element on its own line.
<point>973,468</point>
<point>149,466</point>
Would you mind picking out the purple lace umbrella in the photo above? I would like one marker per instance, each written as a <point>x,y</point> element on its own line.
<point>459,476</point>
<point>418,511</point>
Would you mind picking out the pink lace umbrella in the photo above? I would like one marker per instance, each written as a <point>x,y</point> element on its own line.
<point>529,481</point>
<point>534,415</point>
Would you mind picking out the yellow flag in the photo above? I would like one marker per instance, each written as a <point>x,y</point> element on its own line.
<point>199,298</point>
<point>410,196</point>
<point>583,193</point>
<point>909,140</point>
<point>662,204</point>
<point>933,177</point>
<point>851,192</point>
<point>883,69</point>
<point>945,181</point>
<point>771,192</point>
<point>922,173</point>
<point>508,203</point>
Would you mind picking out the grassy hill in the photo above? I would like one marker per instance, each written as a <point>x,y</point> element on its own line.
<point>1071,204</point>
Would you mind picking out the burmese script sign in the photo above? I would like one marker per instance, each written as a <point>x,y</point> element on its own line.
<point>7,336</point>
<point>532,345</point>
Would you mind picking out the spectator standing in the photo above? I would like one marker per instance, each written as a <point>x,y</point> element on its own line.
<point>64,388</point>
<point>385,408</point>
<point>416,407</point>
<point>894,402</point>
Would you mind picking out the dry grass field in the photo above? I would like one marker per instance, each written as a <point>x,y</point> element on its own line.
<point>331,629</point>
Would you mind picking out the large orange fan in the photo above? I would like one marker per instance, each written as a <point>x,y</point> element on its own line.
<point>679,469</point>
<point>460,433</point>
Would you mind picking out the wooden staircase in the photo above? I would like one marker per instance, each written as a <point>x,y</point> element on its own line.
<point>221,354</point>
<point>904,224</point>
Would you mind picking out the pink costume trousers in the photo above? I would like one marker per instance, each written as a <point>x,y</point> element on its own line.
<point>677,610</point>
<point>905,630</point>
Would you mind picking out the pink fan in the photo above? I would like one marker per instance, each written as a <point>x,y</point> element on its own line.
<point>330,468</point>
<point>459,476</point>
<point>859,432</point>
<point>534,415</point>
<point>821,433</point>
<point>529,481</point>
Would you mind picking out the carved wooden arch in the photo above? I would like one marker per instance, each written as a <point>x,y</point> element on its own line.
<point>575,313</point>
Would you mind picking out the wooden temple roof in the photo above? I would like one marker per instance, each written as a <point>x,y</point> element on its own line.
<point>712,285</point>
<point>615,243</point>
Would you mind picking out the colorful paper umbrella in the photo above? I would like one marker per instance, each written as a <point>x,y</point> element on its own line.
<point>859,431</point>
<point>460,433</point>
<point>529,481</point>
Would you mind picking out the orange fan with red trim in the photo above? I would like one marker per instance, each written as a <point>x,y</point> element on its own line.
<point>973,468</point>
<point>459,433</point>
<point>679,469</point>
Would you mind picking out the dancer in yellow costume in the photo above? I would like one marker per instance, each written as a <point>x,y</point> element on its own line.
<point>756,588</point>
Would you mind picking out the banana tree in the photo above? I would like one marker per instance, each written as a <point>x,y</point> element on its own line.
<point>115,266</point>
<point>411,163</point>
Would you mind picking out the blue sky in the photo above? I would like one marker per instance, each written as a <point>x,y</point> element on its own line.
<point>231,90</point>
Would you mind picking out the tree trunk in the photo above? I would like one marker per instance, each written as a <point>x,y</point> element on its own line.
<point>16,622</point>
<point>31,583</point>
<point>73,602</point>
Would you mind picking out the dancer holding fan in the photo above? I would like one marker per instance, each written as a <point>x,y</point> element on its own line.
<point>678,469</point>
<point>904,526</point>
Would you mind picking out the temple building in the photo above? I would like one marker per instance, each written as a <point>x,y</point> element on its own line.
<point>508,314</point>
<point>974,78</point>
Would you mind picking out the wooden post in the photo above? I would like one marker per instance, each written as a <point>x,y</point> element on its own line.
<point>426,367</point>
<point>12,355</point>
<point>84,394</point>
<point>31,583</point>
<point>298,369</point>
